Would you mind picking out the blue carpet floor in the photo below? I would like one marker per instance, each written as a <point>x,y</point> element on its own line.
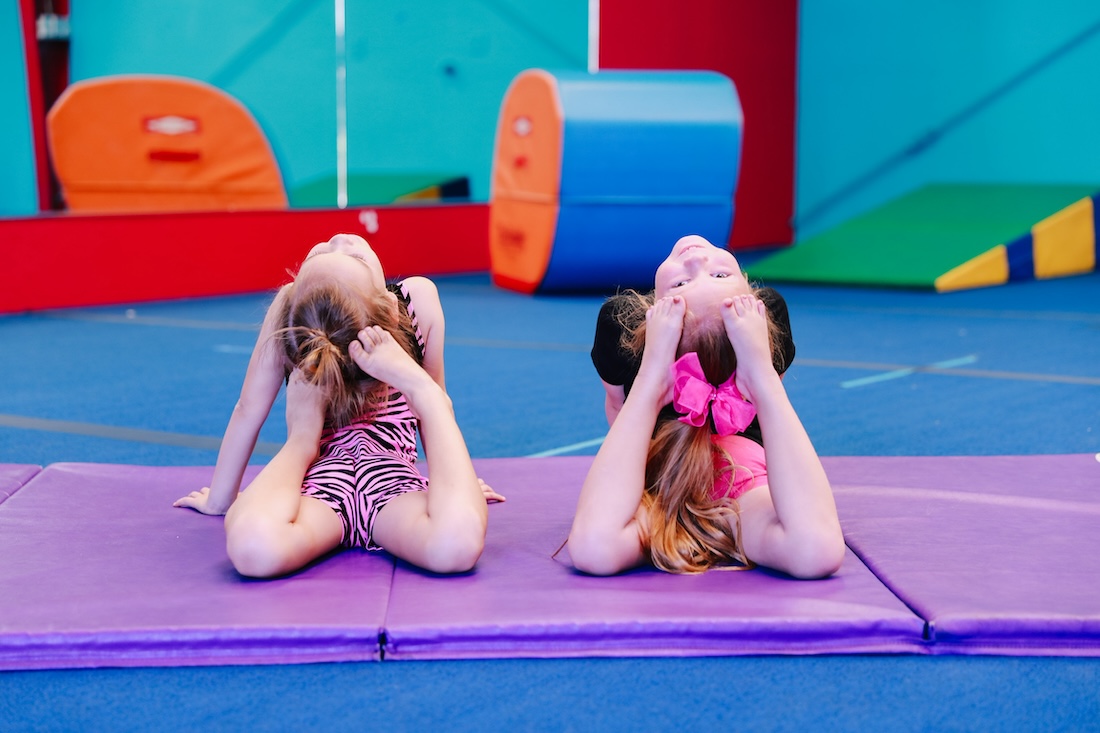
<point>1008,370</point>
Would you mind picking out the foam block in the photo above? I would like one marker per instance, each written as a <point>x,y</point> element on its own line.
<point>595,176</point>
<point>519,602</point>
<point>1000,554</point>
<point>98,569</point>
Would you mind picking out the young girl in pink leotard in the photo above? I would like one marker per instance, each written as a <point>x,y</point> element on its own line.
<point>705,463</point>
<point>363,364</point>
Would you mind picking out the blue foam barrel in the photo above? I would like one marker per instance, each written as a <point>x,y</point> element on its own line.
<point>595,176</point>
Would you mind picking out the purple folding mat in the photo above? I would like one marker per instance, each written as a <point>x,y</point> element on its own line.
<point>13,476</point>
<point>1000,554</point>
<point>519,602</point>
<point>98,569</point>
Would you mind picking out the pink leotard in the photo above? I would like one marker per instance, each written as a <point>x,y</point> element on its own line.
<point>750,470</point>
<point>363,466</point>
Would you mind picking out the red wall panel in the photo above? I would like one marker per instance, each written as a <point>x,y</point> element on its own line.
<point>37,103</point>
<point>756,45</point>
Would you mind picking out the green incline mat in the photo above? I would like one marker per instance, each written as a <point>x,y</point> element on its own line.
<point>912,240</point>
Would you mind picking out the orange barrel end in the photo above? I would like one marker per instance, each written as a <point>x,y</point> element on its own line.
<point>523,206</point>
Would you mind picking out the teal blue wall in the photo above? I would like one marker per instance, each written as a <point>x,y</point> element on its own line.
<point>876,77</point>
<point>18,176</point>
<point>424,79</point>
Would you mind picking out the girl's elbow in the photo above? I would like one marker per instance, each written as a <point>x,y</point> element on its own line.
<point>250,409</point>
<point>591,554</point>
<point>457,550</point>
<point>819,558</point>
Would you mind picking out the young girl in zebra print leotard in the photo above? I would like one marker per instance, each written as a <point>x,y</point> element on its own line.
<point>363,363</point>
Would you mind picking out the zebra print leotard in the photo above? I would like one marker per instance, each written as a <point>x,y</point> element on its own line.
<point>363,466</point>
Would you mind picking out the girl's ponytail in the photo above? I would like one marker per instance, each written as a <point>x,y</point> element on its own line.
<point>316,324</point>
<point>688,530</point>
<point>322,363</point>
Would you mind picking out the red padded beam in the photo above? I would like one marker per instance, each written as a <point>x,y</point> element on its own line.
<point>756,45</point>
<point>66,261</point>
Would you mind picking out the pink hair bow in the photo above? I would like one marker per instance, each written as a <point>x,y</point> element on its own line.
<point>693,396</point>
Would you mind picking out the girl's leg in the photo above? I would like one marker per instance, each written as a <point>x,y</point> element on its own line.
<point>447,542</point>
<point>442,529</point>
<point>263,544</point>
<point>271,529</point>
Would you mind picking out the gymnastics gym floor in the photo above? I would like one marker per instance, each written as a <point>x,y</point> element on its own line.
<point>1004,371</point>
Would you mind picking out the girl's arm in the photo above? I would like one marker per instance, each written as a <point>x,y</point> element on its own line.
<point>262,381</point>
<point>791,524</point>
<point>606,536</point>
<point>614,397</point>
<point>429,314</point>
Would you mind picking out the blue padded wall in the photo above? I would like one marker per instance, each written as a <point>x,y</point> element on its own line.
<point>650,135</point>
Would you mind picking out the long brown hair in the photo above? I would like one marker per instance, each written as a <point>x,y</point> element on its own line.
<point>316,323</point>
<point>688,531</point>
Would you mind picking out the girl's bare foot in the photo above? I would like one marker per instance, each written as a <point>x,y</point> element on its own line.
<point>379,355</point>
<point>746,323</point>
<point>664,326</point>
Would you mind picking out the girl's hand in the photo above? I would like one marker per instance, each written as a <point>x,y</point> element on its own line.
<point>664,326</point>
<point>746,322</point>
<point>200,502</point>
<point>491,497</point>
